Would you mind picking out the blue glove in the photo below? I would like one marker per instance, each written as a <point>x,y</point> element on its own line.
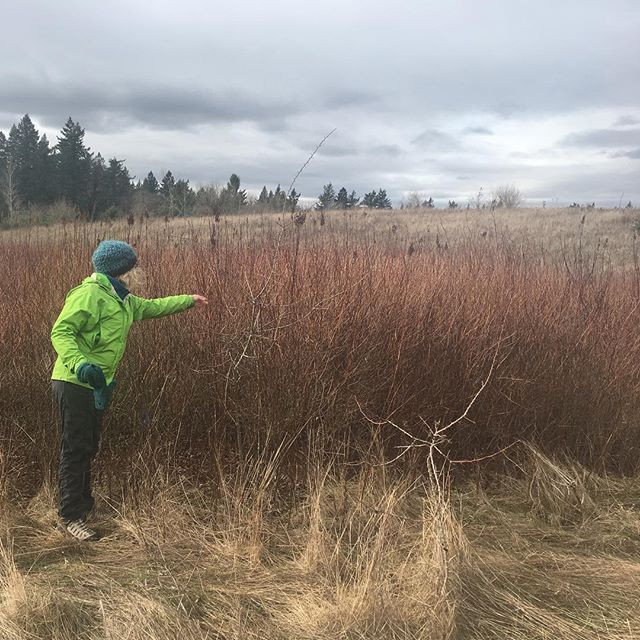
<point>102,396</point>
<point>91,374</point>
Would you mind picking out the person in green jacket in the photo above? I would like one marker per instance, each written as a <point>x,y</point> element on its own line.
<point>89,337</point>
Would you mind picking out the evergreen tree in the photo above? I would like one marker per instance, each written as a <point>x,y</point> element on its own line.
<point>352,200</point>
<point>24,150</point>
<point>74,167</point>
<point>97,199</point>
<point>292,201</point>
<point>167,185</point>
<point>233,198</point>
<point>46,172</point>
<point>118,185</point>
<point>184,198</point>
<point>278,200</point>
<point>4,156</point>
<point>150,183</point>
<point>381,200</point>
<point>167,188</point>
<point>263,200</point>
<point>3,149</point>
<point>342,199</point>
<point>327,199</point>
<point>369,200</point>
<point>377,200</point>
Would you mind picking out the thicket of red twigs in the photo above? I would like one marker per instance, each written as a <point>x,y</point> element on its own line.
<point>349,340</point>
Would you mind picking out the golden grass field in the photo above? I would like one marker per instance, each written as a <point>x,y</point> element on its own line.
<point>393,425</point>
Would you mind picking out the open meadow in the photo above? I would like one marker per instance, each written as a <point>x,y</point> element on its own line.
<point>407,424</point>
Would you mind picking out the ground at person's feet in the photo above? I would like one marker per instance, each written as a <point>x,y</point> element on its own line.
<point>554,555</point>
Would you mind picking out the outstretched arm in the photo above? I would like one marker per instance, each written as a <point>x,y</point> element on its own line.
<point>144,308</point>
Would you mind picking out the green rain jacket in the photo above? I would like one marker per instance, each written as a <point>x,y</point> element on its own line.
<point>94,324</point>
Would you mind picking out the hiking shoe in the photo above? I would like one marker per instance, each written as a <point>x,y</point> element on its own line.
<point>92,516</point>
<point>78,529</point>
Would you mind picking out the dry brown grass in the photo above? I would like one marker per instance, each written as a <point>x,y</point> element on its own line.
<point>245,459</point>
<point>355,555</point>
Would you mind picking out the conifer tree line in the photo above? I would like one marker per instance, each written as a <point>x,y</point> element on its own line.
<point>35,173</point>
<point>329,199</point>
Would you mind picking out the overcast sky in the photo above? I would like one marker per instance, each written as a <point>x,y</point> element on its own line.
<point>439,97</point>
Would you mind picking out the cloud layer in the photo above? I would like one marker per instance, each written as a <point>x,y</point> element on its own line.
<point>440,98</point>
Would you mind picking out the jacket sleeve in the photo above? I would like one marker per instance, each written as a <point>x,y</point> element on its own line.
<point>78,313</point>
<point>157,307</point>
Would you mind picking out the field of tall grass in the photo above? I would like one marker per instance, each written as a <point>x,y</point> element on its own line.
<point>399,425</point>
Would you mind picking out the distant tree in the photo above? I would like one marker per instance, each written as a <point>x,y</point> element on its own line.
<point>352,200</point>
<point>46,171</point>
<point>369,200</point>
<point>377,200</point>
<point>327,199</point>
<point>167,185</point>
<point>428,204</point>
<point>73,160</point>
<point>629,205</point>
<point>453,204</point>
<point>382,201</point>
<point>118,185</point>
<point>4,156</point>
<point>292,201</point>
<point>9,196</point>
<point>23,147</point>
<point>97,200</point>
<point>150,183</point>
<point>145,204</point>
<point>342,199</point>
<point>263,200</point>
<point>208,201</point>
<point>4,151</point>
<point>277,199</point>
<point>184,198</point>
<point>167,192</point>
<point>508,196</point>
<point>412,201</point>
<point>232,196</point>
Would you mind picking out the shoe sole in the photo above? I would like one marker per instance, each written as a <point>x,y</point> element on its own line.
<point>62,529</point>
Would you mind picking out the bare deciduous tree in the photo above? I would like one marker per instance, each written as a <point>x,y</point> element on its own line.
<point>412,201</point>
<point>9,189</point>
<point>508,196</point>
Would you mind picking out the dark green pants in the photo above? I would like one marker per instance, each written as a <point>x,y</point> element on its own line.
<point>80,439</point>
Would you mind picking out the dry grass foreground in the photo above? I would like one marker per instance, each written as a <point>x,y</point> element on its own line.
<point>551,554</point>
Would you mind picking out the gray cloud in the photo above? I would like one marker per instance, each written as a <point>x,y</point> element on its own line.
<point>603,138</point>
<point>388,150</point>
<point>435,140</point>
<point>625,121</point>
<point>482,131</point>
<point>156,106</point>
<point>634,154</point>
<point>255,87</point>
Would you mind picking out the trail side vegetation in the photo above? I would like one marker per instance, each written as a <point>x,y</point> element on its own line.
<point>382,426</point>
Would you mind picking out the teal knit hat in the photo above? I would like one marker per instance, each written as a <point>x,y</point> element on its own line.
<point>114,258</point>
